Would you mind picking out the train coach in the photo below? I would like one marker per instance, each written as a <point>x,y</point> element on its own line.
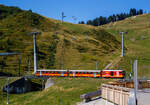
<point>82,73</point>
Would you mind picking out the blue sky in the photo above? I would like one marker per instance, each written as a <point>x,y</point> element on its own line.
<point>81,9</point>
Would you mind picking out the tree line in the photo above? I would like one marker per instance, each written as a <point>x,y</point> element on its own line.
<point>115,17</point>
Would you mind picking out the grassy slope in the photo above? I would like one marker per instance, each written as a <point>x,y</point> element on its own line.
<point>79,53</point>
<point>66,91</point>
<point>137,42</point>
<point>91,44</point>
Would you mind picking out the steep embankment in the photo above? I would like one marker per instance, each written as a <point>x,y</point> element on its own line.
<point>137,42</point>
<point>61,45</point>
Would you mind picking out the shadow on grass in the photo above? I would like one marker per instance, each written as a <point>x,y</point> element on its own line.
<point>2,74</point>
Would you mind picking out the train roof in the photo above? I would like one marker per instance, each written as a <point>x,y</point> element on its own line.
<point>85,70</point>
<point>8,53</point>
<point>113,70</point>
<point>50,70</point>
<point>78,70</point>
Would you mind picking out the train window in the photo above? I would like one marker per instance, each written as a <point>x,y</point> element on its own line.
<point>71,72</point>
<point>121,72</point>
<point>91,72</point>
<point>111,73</point>
<point>79,72</point>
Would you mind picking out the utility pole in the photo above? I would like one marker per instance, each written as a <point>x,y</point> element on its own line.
<point>122,50</point>
<point>96,65</point>
<point>19,63</point>
<point>135,81</point>
<point>62,62</point>
<point>35,49</point>
<point>2,63</point>
<point>63,16</point>
<point>28,65</point>
<point>74,18</point>
<point>42,84</point>
<point>130,75</point>
<point>7,91</point>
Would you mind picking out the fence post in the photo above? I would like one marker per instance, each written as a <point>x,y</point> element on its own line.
<point>135,81</point>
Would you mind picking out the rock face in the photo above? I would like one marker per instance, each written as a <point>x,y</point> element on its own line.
<point>49,83</point>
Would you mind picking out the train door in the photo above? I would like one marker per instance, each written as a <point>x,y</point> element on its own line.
<point>95,74</point>
<point>62,74</point>
<point>40,73</point>
<point>73,74</point>
<point>117,73</point>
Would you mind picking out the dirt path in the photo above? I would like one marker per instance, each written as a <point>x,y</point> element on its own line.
<point>113,63</point>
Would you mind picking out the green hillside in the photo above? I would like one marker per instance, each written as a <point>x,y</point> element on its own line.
<point>137,42</point>
<point>60,46</point>
<point>79,46</point>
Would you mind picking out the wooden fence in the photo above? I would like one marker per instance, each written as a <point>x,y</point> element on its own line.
<point>116,94</point>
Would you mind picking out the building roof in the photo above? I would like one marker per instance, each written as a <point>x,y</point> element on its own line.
<point>8,53</point>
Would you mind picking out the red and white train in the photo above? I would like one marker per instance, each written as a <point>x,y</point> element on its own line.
<point>81,73</point>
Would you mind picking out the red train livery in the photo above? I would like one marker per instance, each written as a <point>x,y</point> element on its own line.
<point>82,73</point>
